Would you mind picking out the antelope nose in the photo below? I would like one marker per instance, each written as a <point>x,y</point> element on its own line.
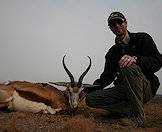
<point>75,105</point>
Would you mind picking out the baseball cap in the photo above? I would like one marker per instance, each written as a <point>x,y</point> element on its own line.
<point>116,15</point>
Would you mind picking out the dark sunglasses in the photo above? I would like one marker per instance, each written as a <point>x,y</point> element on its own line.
<point>114,22</point>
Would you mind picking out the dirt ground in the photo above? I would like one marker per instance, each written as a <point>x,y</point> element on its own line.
<point>84,120</point>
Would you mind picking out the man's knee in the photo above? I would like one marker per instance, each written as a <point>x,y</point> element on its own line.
<point>130,70</point>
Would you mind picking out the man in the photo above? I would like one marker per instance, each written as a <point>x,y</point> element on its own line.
<point>130,64</point>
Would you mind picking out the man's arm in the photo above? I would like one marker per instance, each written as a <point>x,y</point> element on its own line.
<point>151,58</point>
<point>109,73</point>
<point>110,70</point>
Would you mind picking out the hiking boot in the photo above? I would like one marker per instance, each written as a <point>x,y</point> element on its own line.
<point>126,122</point>
<point>139,119</point>
<point>135,120</point>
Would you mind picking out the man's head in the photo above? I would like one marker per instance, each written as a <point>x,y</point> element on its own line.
<point>117,23</point>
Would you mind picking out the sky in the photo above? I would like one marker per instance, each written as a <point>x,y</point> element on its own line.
<point>36,34</point>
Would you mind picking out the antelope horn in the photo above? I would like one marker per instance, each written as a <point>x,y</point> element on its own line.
<point>84,73</point>
<point>68,72</point>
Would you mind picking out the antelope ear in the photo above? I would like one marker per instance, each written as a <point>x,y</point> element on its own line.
<point>60,83</point>
<point>90,86</point>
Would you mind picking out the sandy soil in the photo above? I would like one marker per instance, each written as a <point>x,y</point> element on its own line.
<point>84,120</point>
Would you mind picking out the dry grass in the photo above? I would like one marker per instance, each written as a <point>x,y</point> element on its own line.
<point>79,124</point>
<point>84,120</point>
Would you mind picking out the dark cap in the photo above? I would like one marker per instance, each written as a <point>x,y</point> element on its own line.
<point>116,15</point>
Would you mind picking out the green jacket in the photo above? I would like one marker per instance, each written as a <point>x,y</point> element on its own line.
<point>148,58</point>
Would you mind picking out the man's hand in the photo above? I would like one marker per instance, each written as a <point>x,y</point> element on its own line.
<point>127,60</point>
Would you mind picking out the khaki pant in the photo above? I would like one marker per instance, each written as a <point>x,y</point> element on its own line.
<point>131,90</point>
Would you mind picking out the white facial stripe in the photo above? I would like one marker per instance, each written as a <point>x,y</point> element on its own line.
<point>74,96</point>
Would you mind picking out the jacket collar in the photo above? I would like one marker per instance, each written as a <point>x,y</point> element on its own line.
<point>125,40</point>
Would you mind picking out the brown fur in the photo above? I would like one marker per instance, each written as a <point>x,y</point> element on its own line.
<point>38,92</point>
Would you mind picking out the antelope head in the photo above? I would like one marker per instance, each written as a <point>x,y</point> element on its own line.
<point>74,89</point>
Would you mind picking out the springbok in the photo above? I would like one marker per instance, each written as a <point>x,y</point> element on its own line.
<point>43,97</point>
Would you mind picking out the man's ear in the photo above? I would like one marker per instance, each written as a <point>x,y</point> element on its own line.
<point>126,23</point>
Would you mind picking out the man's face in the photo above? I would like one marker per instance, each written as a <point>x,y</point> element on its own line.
<point>118,26</point>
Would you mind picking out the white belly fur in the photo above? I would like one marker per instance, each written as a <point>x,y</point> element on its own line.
<point>18,103</point>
